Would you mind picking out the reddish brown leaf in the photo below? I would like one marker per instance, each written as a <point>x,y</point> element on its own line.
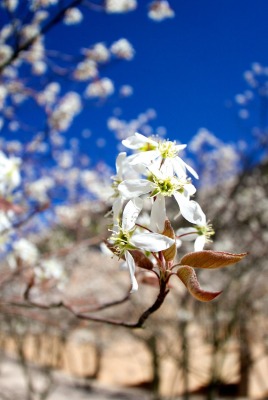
<point>141,260</point>
<point>211,259</point>
<point>188,276</point>
<point>170,253</point>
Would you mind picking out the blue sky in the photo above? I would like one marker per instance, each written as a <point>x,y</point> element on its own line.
<point>188,68</point>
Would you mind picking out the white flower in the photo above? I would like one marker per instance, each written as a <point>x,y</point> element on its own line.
<point>164,151</point>
<point>11,5</point>
<point>126,90</point>
<point>50,269</point>
<point>69,106</point>
<point>26,251</point>
<point>124,238</point>
<point>200,233</point>
<point>10,174</point>
<point>5,53</point>
<point>38,190</point>
<point>72,16</point>
<point>100,88</point>
<point>86,70</point>
<point>98,53</point>
<point>122,49</point>
<point>5,223</point>
<point>160,10</point>
<point>118,6</point>
<point>163,184</point>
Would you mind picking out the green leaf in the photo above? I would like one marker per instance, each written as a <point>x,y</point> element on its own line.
<point>188,277</point>
<point>211,259</point>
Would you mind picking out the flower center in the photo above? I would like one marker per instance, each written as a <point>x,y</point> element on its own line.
<point>205,230</point>
<point>168,149</point>
<point>121,241</point>
<point>167,186</point>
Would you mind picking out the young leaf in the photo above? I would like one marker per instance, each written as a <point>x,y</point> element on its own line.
<point>170,253</point>
<point>188,277</point>
<point>141,260</point>
<point>211,259</point>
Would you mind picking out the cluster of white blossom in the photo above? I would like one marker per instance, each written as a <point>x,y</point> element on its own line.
<point>160,10</point>
<point>155,171</point>
<point>212,154</point>
<point>256,79</point>
<point>10,179</point>
<point>66,109</point>
<point>26,254</point>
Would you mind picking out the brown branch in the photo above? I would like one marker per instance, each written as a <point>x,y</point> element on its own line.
<point>163,291</point>
<point>25,46</point>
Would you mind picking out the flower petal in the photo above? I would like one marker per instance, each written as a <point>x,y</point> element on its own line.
<point>131,213</point>
<point>138,140</point>
<point>119,164</point>
<point>180,167</point>
<point>117,207</point>
<point>135,187</point>
<point>158,214</point>
<point>131,267</point>
<point>199,243</point>
<point>190,209</point>
<point>145,157</point>
<point>151,241</point>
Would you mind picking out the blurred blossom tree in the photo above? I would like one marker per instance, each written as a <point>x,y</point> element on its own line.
<point>42,91</point>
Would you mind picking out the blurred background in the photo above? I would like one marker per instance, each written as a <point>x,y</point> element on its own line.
<point>76,78</point>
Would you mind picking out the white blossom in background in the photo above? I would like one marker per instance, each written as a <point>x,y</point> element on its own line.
<point>3,95</point>
<point>160,10</point>
<point>11,5</point>
<point>49,95</point>
<point>122,48</point>
<point>72,16</point>
<point>29,32</point>
<point>50,269</point>
<point>101,88</point>
<point>24,254</point>
<point>5,224</point>
<point>9,174</point>
<point>36,4</point>
<point>99,53</point>
<point>120,6</point>
<point>38,190</point>
<point>5,32</point>
<point>40,16</point>
<point>36,51</point>
<point>62,116</point>
<point>126,91</point>
<point>85,70</point>
<point>6,53</point>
